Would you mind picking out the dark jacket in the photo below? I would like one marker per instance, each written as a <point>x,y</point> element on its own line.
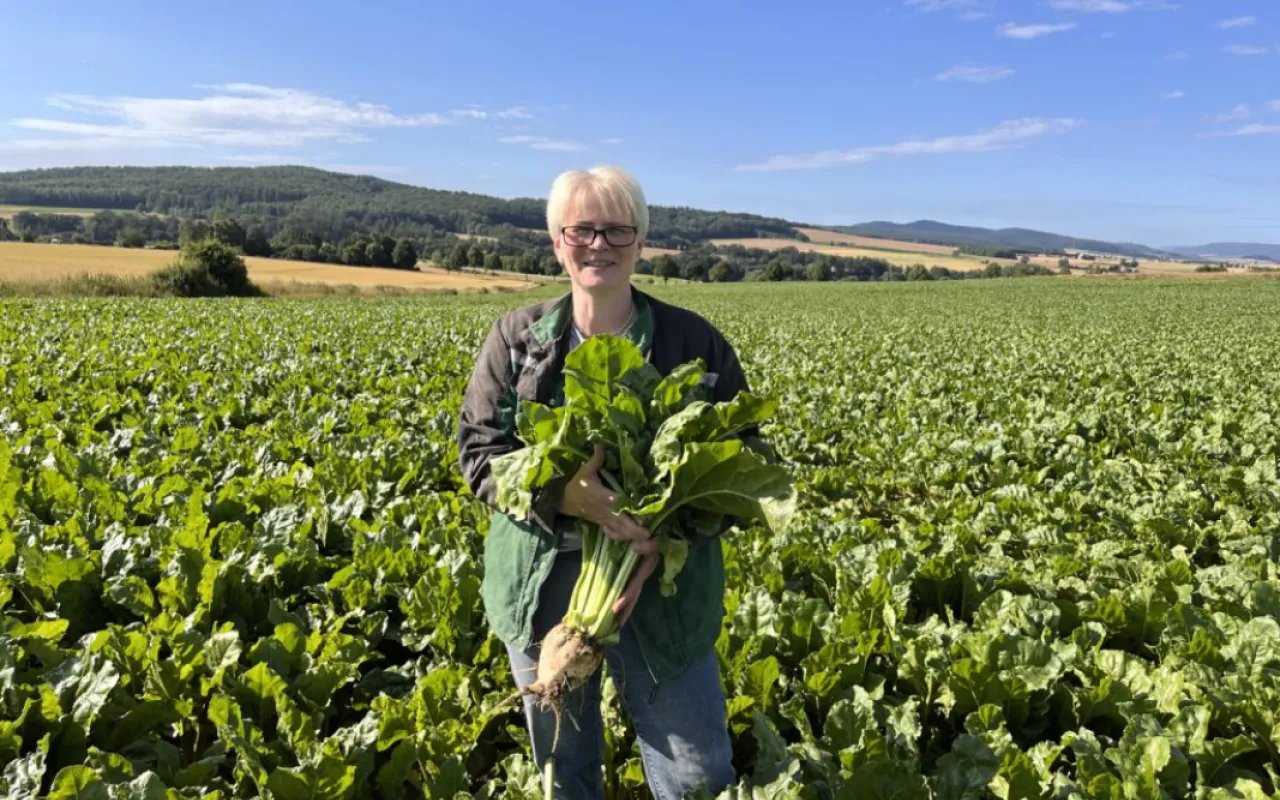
<point>523,359</point>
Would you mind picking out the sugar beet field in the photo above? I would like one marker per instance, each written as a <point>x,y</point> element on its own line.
<point>1036,554</point>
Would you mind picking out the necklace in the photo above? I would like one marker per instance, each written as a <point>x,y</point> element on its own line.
<point>618,332</point>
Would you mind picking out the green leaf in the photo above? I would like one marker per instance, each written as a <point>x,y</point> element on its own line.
<point>78,783</point>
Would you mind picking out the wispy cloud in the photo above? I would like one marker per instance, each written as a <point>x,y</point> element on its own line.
<point>236,114</point>
<point>1240,112</point>
<point>1109,6</point>
<point>1254,129</point>
<point>1004,136</point>
<point>1246,50</point>
<point>543,143</point>
<point>1237,22</point>
<point>974,74</point>
<point>1176,55</point>
<point>612,140</point>
<point>1176,94</point>
<point>1091,6</point>
<point>1011,30</point>
<point>1274,106</point>
<point>470,113</point>
<point>515,112</point>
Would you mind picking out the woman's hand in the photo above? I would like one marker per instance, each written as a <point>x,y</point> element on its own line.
<point>586,497</point>
<point>631,595</point>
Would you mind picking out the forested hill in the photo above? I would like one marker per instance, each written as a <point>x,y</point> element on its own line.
<point>332,205</point>
<point>931,232</point>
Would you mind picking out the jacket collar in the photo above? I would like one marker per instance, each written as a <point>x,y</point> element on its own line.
<point>549,330</point>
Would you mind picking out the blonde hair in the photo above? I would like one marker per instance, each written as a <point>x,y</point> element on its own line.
<point>613,187</point>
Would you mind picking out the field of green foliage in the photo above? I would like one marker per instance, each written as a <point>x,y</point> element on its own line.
<point>1036,553</point>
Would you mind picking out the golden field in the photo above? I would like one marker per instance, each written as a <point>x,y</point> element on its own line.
<point>819,236</point>
<point>901,258</point>
<point>35,262</point>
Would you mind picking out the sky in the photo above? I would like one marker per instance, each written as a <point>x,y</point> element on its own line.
<point>1129,120</point>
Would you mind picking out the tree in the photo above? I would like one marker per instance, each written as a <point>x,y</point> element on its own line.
<point>405,256</point>
<point>206,268</point>
<point>1024,260</point>
<point>693,270</point>
<point>665,267</point>
<point>255,241</point>
<point>457,257</point>
<point>817,271</point>
<point>190,230</point>
<point>131,237</point>
<point>918,272</point>
<point>1064,265</point>
<point>354,252</point>
<point>722,272</point>
<point>475,257</point>
<point>778,270</point>
<point>493,261</point>
<point>228,230</point>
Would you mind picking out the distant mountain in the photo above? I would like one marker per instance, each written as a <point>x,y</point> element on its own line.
<point>930,232</point>
<point>1269,252</point>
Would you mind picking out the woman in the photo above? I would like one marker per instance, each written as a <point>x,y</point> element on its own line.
<point>665,663</point>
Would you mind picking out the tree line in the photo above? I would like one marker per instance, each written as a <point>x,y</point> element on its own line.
<point>507,249</point>
<point>309,203</point>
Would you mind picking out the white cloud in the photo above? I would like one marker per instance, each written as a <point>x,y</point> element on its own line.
<point>543,143</point>
<point>973,74</point>
<point>1255,129</point>
<point>469,113</point>
<point>1241,111</point>
<point>1010,30</point>
<point>1245,50</point>
<point>612,140</point>
<point>1274,106</point>
<point>1176,94</point>
<point>1177,55</point>
<point>236,114</point>
<point>1091,6</point>
<point>1002,137</point>
<point>1109,6</point>
<point>515,112</point>
<point>1237,22</point>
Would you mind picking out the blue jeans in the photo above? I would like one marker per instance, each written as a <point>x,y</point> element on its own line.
<point>684,738</point>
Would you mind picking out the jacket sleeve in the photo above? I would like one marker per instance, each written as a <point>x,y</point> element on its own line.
<point>730,380</point>
<point>486,429</point>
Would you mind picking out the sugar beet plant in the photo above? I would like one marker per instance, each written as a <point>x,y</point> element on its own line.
<point>1033,555</point>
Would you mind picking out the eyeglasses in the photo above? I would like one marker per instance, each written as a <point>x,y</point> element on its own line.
<point>585,235</point>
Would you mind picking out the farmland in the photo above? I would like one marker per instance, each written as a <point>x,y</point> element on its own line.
<point>1035,554</point>
<point>37,262</point>
<point>10,211</point>
<point>900,257</point>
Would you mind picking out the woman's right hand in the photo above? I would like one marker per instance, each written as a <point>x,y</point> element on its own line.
<point>586,497</point>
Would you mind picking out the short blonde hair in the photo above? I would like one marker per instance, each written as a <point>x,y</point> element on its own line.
<point>613,187</point>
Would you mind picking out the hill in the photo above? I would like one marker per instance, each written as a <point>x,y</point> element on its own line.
<point>1245,250</point>
<point>334,205</point>
<point>931,232</point>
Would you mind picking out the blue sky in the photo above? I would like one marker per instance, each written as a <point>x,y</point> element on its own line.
<point>1137,120</point>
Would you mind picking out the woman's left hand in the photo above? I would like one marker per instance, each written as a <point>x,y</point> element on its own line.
<point>627,602</point>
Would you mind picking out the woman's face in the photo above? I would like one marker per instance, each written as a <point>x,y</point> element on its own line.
<point>597,262</point>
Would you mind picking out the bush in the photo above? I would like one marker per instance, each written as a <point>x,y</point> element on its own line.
<point>206,268</point>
